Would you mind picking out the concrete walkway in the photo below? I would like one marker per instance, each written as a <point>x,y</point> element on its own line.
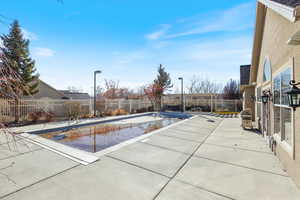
<point>203,158</point>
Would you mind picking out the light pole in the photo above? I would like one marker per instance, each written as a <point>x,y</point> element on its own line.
<point>182,103</point>
<point>95,95</point>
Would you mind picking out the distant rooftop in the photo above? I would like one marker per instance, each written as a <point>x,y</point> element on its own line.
<point>290,3</point>
<point>75,95</point>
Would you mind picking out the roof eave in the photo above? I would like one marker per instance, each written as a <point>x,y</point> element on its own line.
<point>289,13</point>
<point>258,34</point>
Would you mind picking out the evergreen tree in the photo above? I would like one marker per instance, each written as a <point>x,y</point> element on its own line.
<point>163,79</point>
<point>16,50</point>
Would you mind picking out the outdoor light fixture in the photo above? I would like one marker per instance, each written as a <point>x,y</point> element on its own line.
<point>265,97</point>
<point>294,95</point>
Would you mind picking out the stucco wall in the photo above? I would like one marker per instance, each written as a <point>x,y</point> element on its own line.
<point>277,32</point>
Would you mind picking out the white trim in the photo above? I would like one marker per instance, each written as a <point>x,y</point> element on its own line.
<point>285,11</point>
<point>289,148</point>
<point>74,154</point>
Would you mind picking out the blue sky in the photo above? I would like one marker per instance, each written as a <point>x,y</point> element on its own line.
<point>128,39</point>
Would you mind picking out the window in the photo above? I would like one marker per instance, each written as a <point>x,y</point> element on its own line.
<point>285,85</point>
<point>276,90</point>
<point>282,113</point>
<point>267,70</point>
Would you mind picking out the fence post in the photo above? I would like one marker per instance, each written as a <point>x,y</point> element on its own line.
<point>211,103</point>
<point>130,106</point>
<point>235,105</point>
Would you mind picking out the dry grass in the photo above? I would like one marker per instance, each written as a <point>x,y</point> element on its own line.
<point>116,112</point>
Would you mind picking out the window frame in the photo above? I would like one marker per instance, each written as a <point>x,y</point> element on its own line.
<point>289,148</point>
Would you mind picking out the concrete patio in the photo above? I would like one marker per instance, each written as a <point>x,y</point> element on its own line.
<point>202,158</point>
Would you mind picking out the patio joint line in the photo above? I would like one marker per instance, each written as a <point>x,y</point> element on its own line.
<point>39,181</point>
<point>239,148</point>
<point>164,148</point>
<point>190,156</point>
<point>140,167</point>
<point>204,189</point>
<point>242,166</point>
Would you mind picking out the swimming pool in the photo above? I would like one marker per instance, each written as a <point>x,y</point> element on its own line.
<point>96,137</point>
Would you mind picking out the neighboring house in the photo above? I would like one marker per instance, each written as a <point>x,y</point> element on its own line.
<point>75,95</point>
<point>46,91</point>
<point>276,61</point>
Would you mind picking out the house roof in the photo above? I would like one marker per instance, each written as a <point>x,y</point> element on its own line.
<point>289,9</point>
<point>290,3</point>
<point>75,95</point>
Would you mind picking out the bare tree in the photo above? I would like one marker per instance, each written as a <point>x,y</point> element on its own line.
<point>203,86</point>
<point>232,90</point>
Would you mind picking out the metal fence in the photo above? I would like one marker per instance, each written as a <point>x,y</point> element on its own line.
<point>204,104</point>
<point>63,109</point>
<point>9,108</point>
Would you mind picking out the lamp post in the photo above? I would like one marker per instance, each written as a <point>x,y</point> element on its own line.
<point>95,95</point>
<point>294,95</point>
<point>182,103</point>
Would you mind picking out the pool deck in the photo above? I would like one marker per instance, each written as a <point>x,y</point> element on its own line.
<point>202,158</point>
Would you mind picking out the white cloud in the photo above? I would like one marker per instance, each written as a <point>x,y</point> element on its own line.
<point>237,18</point>
<point>159,33</point>
<point>29,35</point>
<point>43,52</point>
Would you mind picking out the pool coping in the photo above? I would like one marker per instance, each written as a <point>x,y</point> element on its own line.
<point>84,157</point>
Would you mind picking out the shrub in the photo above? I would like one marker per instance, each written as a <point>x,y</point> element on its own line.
<point>39,115</point>
<point>73,109</point>
<point>49,116</point>
<point>34,116</point>
<point>119,112</point>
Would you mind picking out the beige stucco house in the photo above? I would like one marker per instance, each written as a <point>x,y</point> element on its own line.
<point>276,61</point>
